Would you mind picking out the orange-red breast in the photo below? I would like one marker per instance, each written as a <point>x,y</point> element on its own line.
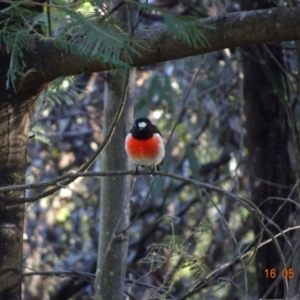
<point>144,144</point>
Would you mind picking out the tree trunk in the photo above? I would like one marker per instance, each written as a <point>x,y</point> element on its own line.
<point>267,143</point>
<point>15,112</point>
<point>115,195</point>
<point>268,160</point>
<point>115,191</point>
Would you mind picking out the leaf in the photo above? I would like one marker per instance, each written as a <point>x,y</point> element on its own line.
<point>186,28</point>
<point>204,227</point>
<point>103,41</point>
<point>196,265</point>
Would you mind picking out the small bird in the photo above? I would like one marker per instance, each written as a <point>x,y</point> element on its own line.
<point>144,144</point>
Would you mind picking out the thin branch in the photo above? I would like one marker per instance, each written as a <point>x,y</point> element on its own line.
<point>234,240</point>
<point>215,272</point>
<point>245,293</point>
<point>63,180</point>
<point>68,179</point>
<point>185,99</point>
<point>89,276</point>
<point>141,208</point>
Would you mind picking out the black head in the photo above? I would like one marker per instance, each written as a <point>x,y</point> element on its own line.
<point>143,129</point>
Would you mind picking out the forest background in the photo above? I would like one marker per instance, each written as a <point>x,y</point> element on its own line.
<point>221,222</point>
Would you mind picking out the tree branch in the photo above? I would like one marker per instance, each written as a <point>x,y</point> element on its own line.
<point>158,44</point>
<point>72,176</point>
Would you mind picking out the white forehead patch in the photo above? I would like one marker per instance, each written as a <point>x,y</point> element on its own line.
<point>142,124</point>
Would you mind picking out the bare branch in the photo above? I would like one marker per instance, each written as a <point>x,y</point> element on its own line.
<point>61,181</point>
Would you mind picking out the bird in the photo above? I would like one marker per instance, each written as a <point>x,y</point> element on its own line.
<point>144,145</point>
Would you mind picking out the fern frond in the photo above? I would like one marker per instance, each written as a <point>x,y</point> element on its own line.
<point>17,34</point>
<point>39,133</point>
<point>15,42</point>
<point>63,90</point>
<point>204,227</point>
<point>175,244</point>
<point>102,41</point>
<point>196,265</point>
<point>186,28</point>
<point>153,259</point>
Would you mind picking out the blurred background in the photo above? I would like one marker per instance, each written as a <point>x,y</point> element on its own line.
<point>203,97</point>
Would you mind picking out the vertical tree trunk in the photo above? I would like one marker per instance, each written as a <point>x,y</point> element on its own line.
<point>267,143</point>
<point>14,127</point>
<point>294,284</point>
<point>114,198</point>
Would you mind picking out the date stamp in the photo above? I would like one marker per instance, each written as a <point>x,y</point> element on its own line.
<point>285,273</point>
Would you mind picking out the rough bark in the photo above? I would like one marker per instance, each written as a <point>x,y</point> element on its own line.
<point>15,112</point>
<point>267,143</point>
<point>268,160</point>
<point>294,284</point>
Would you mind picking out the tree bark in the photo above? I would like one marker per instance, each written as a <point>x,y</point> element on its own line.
<point>15,112</point>
<point>268,160</point>
<point>115,191</point>
<point>114,198</point>
<point>267,143</point>
<point>157,44</point>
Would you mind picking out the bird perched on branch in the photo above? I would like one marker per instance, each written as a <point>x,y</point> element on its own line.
<point>144,145</point>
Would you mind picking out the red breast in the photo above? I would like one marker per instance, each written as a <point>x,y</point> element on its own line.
<point>144,144</point>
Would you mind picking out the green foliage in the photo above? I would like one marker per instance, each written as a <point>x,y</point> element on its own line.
<point>173,250</point>
<point>176,246</point>
<point>19,27</point>
<point>15,40</point>
<point>186,28</point>
<point>196,264</point>
<point>60,91</point>
<point>170,243</point>
<point>204,227</point>
<point>154,259</point>
<point>39,133</point>
<point>86,29</point>
<point>103,41</point>
<point>63,90</point>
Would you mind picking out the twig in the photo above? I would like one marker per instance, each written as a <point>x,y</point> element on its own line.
<point>49,19</point>
<point>185,99</point>
<point>235,285</point>
<point>90,276</point>
<point>234,240</point>
<point>142,206</point>
<point>65,180</point>
<point>70,177</point>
